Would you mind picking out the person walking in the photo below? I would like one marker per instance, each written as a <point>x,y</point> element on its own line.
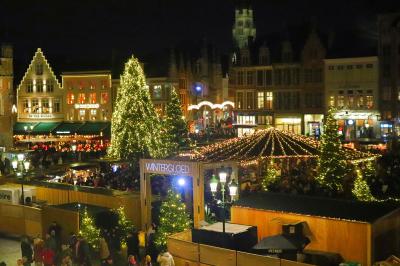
<point>132,242</point>
<point>38,246</point>
<point>165,259</point>
<point>147,261</point>
<point>104,252</point>
<point>83,252</point>
<point>26,251</point>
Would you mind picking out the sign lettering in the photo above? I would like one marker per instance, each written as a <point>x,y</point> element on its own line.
<point>168,168</point>
<point>87,106</point>
<point>41,116</point>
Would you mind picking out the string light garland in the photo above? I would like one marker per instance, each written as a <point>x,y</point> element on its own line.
<point>266,144</point>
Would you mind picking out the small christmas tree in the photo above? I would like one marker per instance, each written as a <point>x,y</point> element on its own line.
<point>89,231</point>
<point>361,190</point>
<point>175,123</point>
<point>331,162</point>
<point>125,225</point>
<point>135,126</point>
<point>271,175</point>
<point>173,219</point>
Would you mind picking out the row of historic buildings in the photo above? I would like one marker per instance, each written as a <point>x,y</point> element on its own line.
<point>287,80</point>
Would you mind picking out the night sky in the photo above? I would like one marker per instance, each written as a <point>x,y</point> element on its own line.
<point>88,32</point>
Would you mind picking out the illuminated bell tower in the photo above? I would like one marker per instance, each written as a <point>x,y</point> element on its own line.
<point>244,28</point>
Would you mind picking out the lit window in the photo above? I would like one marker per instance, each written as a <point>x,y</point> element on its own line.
<point>49,86</point>
<point>92,97</point>
<point>82,112</point>
<point>360,102</point>
<point>157,91</point>
<point>260,100</point>
<point>26,108</point>
<point>81,98</point>
<point>93,113</point>
<point>268,100</point>
<point>35,106</point>
<point>45,106</point>
<point>70,98</point>
<point>56,106</point>
<point>39,69</point>
<point>332,101</point>
<point>340,101</point>
<point>39,85</point>
<point>104,97</point>
<point>29,86</point>
<point>370,101</point>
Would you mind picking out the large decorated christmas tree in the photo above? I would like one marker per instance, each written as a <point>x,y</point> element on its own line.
<point>173,219</point>
<point>175,123</point>
<point>331,162</point>
<point>135,127</point>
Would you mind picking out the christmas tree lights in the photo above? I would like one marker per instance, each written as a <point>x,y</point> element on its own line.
<point>89,231</point>
<point>331,162</point>
<point>175,124</point>
<point>270,177</point>
<point>361,190</point>
<point>135,126</point>
<point>124,224</point>
<point>173,219</point>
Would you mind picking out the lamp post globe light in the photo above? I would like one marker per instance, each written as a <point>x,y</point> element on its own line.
<point>232,191</point>
<point>25,168</point>
<point>28,130</point>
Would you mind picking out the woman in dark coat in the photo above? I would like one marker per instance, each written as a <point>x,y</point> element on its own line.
<point>26,250</point>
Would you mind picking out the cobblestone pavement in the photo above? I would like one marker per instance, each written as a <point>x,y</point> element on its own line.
<point>10,251</point>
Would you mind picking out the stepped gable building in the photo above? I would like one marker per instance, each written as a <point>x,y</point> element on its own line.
<point>278,80</point>
<point>39,94</point>
<point>6,94</point>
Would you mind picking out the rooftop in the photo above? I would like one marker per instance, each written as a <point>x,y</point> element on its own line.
<point>357,211</point>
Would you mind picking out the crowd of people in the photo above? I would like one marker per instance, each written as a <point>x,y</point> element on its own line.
<point>77,251</point>
<point>121,178</point>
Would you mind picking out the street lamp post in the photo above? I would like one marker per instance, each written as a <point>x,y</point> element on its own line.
<point>28,130</point>
<point>232,191</point>
<point>25,164</point>
<point>74,150</point>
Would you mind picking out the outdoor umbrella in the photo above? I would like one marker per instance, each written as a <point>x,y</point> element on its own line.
<point>281,244</point>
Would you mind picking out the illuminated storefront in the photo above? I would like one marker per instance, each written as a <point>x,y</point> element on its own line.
<point>355,125</point>
<point>207,114</point>
<point>313,125</point>
<point>291,124</point>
